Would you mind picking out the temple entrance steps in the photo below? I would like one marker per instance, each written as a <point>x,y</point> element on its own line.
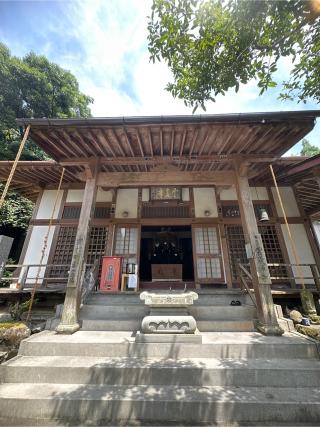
<point>103,378</point>
<point>213,312</point>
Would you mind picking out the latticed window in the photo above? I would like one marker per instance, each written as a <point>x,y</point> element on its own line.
<point>208,268</point>
<point>237,250</point>
<point>206,240</point>
<point>207,253</point>
<point>65,244</point>
<point>231,211</point>
<point>236,247</point>
<point>63,252</point>
<point>97,244</point>
<point>273,250</point>
<point>126,245</point>
<point>73,212</point>
<point>165,211</point>
<point>103,211</point>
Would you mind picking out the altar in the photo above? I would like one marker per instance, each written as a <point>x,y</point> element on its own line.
<point>166,272</point>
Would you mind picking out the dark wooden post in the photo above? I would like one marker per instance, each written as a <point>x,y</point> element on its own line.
<point>69,320</point>
<point>267,320</point>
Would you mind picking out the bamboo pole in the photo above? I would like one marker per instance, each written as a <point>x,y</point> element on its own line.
<point>44,247</point>
<point>293,246</point>
<point>15,163</point>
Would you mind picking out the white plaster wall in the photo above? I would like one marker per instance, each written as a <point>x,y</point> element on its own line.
<point>127,200</point>
<point>205,199</point>
<point>288,200</point>
<point>228,194</point>
<point>34,250</point>
<point>47,203</point>
<point>185,194</point>
<point>303,249</point>
<point>316,227</point>
<point>257,193</point>
<point>76,196</point>
<point>103,196</point>
<point>145,195</point>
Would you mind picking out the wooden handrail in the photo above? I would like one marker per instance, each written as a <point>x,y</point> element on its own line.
<point>244,274</point>
<point>24,279</point>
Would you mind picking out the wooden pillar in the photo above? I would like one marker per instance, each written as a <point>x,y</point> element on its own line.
<point>267,320</point>
<point>69,320</point>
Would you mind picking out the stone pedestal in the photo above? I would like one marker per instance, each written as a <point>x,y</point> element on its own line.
<point>169,319</point>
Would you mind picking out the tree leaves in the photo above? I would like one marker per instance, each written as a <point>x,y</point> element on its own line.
<point>309,149</point>
<point>212,46</point>
<point>32,87</point>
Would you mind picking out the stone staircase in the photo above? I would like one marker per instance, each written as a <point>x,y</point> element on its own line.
<point>212,311</point>
<point>105,378</point>
<point>101,376</point>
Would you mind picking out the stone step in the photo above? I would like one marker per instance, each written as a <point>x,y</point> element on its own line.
<point>86,404</point>
<point>135,324</point>
<point>236,325</point>
<point>245,345</point>
<point>136,311</point>
<point>137,371</point>
<point>209,298</point>
<point>132,325</point>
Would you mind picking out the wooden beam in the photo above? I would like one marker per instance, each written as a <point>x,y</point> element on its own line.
<point>183,140</point>
<point>115,137</point>
<point>150,142</point>
<point>128,141</point>
<point>172,142</point>
<point>142,160</point>
<point>194,139</point>
<point>267,320</point>
<point>139,142</point>
<point>130,179</point>
<point>316,174</point>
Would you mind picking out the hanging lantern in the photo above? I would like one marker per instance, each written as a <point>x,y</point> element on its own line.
<point>263,215</point>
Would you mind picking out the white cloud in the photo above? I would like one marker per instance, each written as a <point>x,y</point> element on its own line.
<point>115,68</point>
<point>107,52</point>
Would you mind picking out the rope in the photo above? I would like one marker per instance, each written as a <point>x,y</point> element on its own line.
<point>45,245</point>
<point>293,246</point>
<point>15,163</point>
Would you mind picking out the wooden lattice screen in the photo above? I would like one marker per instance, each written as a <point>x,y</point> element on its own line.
<point>73,212</point>
<point>237,250</point>
<point>97,245</point>
<point>65,244</point>
<point>165,211</point>
<point>63,251</point>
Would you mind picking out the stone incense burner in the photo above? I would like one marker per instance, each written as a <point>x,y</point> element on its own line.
<point>169,313</point>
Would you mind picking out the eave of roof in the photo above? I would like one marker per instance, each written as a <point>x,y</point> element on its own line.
<point>172,119</point>
<point>134,144</point>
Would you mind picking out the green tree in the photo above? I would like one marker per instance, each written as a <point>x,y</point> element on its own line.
<point>309,149</point>
<point>30,87</point>
<point>212,46</point>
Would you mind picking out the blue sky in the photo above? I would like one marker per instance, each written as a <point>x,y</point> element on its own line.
<point>104,44</point>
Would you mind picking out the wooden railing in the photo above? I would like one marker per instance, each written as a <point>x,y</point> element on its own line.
<point>89,281</point>
<point>21,275</point>
<point>245,277</point>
